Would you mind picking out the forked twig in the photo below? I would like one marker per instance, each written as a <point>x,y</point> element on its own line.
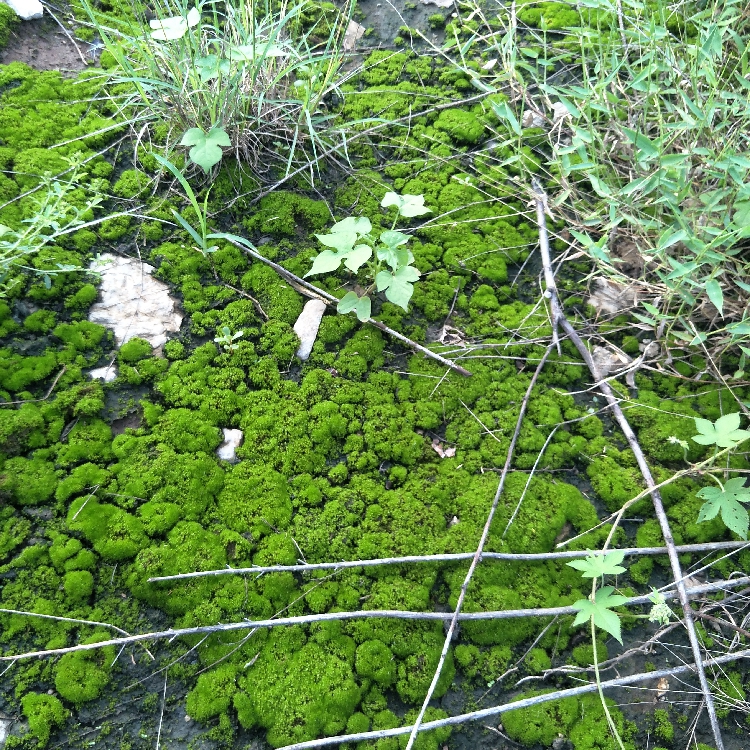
<point>559,316</point>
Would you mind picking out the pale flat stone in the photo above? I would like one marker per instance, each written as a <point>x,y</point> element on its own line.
<point>4,730</point>
<point>27,10</point>
<point>107,374</point>
<point>133,303</point>
<point>354,32</point>
<point>227,451</point>
<point>307,326</point>
<point>439,3</point>
<point>610,298</point>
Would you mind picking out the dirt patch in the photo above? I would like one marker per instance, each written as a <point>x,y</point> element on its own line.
<point>43,45</point>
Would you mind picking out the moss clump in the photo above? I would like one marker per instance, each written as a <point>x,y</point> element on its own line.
<point>591,731</point>
<point>132,183</point>
<point>44,713</point>
<point>281,213</point>
<point>26,481</point>
<point>213,693</point>
<point>375,661</point>
<point>463,127</point>
<point>83,298</point>
<point>134,350</point>
<point>8,21</point>
<point>78,585</point>
<point>41,321</point>
<point>541,723</point>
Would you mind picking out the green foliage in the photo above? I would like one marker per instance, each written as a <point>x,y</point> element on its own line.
<point>541,723</point>
<point>727,499</point>
<point>724,433</point>
<point>600,611</point>
<point>351,243</point>
<point>594,566</point>
<point>134,350</point>
<point>78,585</point>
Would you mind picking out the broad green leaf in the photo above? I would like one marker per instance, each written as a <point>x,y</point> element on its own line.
<point>364,308</point>
<point>206,147</point>
<point>408,205</point>
<point>724,433</point>
<point>742,214</point>
<point>211,66</point>
<point>646,148</point>
<point>601,611</point>
<point>348,303</point>
<point>713,290</point>
<point>326,262</point>
<point>249,53</point>
<point>357,257</point>
<point>395,257</point>
<point>728,502</point>
<point>398,286</point>
<point>359,225</point>
<point>392,238</point>
<point>597,565</point>
<point>174,27</point>
<point>342,241</point>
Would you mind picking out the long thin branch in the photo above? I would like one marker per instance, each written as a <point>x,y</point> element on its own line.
<point>606,390</point>
<point>515,705</point>
<point>505,614</point>
<point>310,290</point>
<point>456,557</point>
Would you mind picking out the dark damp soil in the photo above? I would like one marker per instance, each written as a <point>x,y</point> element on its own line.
<point>43,45</point>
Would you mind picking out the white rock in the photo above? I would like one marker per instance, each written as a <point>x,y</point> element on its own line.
<point>232,440</point>
<point>27,10</point>
<point>4,730</point>
<point>559,111</point>
<point>307,326</point>
<point>610,298</point>
<point>107,374</point>
<point>133,303</point>
<point>439,3</point>
<point>354,32</point>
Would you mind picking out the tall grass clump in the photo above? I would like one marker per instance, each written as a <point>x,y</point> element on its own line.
<point>254,79</point>
<point>641,114</point>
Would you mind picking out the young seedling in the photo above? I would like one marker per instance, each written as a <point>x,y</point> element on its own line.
<point>227,339</point>
<point>388,260</point>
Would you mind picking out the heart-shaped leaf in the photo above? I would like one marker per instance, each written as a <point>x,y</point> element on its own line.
<point>341,241</point>
<point>398,286</point>
<point>357,257</point>
<point>174,27</point>
<point>211,66</point>
<point>326,262</point>
<point>350,302</point>
<point>391,238</point>
<point>206,147</point>
<point>408,205</point>
<point>360,225</point>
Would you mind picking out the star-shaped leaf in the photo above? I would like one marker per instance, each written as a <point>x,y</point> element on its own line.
<point>724,433</point>
<point>408,205</point>
<point>206,147</point>
<point>728,502</point>
<point>601,611</point>
<point>174,27</point>
<point>398,286</point>
<point>597,565</point>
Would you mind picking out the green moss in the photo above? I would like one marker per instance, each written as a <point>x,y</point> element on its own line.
<point>537,661</point>
<point>79,585</point>
<point>8,21</point>
<point>17,373</point>
<point>82,336</point>
<point>281,212</point>
<point>28,481</point>
<point>41,321</point>
<point>134,350</point>
<point>583,655</point>
<point>213,693</point>
<point>662,726</point>
<point>463,127</point>
<point>375,661</point>
<point>131,184</point>
<point>591,731</point>
<point>82,675</point>
<point>44,713</point>
<point>83,298</point>
<point>541,723</point>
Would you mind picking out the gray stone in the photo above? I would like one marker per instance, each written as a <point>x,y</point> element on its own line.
<point>439,3</point>
<point>232,440</point>
<point>133,303</point>
<point>107,373</point>
<point>27,10</point>
<point>307,326</point>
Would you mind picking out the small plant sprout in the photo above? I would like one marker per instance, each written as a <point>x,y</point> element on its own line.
<point>387,258</point>
<point>227,339</point>
<point>660,612</point>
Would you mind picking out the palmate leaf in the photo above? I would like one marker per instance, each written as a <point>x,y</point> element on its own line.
<point>341,241</point>
<point>206,147</point>
<point>601,611</point>
<point>395,257</point>
<point>724,433</point>
<point>350,302</point>
<point>597,565</point>
<point>727,501</point>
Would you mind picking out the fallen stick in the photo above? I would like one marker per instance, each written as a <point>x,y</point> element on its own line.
<point>505,614</point>
<point>558,318</point>
<point>310,290</point>
<point>456,557</point>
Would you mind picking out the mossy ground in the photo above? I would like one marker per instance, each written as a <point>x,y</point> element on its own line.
<point>337,461</point>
